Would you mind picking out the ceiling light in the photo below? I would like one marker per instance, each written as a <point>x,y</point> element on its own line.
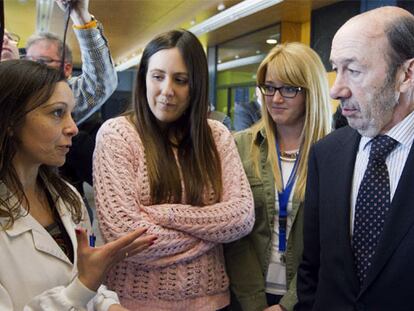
<point>240,10</point>
<point>133,61</point>
<point>221,7</point>
<point>271,41</point>
<point>241,62</point>
<point>44,10</point>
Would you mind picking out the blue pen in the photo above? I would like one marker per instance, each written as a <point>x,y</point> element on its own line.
<point>92,239</point>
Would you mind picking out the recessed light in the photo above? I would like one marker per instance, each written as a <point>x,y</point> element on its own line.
<point>221,7</point>
<point>236,56</point>
<point>271,41</point>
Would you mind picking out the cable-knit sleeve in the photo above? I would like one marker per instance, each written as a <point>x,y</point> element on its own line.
<point>226,221</point>
<point>121,191</point>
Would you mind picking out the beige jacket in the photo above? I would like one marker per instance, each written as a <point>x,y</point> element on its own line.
<point>35,274</point>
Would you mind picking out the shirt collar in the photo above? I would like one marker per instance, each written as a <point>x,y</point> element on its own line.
<point>403,132</point>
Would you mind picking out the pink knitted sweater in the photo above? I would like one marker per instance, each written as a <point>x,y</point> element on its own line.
<point>184,269</point>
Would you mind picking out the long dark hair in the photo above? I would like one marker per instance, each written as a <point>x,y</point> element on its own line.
<point>197,152</point>
<point>25,85</point>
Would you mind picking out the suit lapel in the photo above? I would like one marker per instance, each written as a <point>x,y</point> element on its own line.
<point>398,222</point>
<point>342,176</point>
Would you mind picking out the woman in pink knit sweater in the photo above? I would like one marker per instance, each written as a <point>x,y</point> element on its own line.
<point>167,168</point>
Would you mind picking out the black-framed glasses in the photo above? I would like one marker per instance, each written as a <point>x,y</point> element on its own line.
<point>43,60</point>
<point>285,91</point>
<point>13,37</point>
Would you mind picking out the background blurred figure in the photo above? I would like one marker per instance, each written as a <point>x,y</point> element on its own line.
<point>166,167</point>
<point>98,79</point>
<point>220,116</point>
<point>247,114</point>
<point>296,112</point>
<point>45,265</point>
<point>91,89</point>
<point>359,219</point>
<point>9,47</point>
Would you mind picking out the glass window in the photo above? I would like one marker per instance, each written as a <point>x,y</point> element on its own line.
<point>238,60</point>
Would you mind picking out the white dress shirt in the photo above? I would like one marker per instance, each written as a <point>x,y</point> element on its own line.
<point>403,132</point>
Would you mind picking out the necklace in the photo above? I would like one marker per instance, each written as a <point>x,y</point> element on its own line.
<point>289,156</point>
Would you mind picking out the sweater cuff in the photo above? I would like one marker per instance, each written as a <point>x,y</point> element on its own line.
<point>78,294</point>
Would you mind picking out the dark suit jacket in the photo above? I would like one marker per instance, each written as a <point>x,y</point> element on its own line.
<point>326,276</point>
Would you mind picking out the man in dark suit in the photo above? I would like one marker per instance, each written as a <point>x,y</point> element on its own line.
<point>359,205</point>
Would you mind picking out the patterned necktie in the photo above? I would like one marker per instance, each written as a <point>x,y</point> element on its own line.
<point>372,205</point>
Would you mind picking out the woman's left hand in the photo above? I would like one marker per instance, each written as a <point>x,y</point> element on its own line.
<point>117,308</point>
<point>94,262</point>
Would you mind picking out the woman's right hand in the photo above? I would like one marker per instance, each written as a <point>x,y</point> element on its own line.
<point>94,262</point>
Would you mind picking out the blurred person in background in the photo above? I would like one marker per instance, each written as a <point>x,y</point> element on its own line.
<point>247,114</point>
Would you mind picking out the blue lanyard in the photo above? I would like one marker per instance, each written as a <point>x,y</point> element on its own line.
<point>283,201</point>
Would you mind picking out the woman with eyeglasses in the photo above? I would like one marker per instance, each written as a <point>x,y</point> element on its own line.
<point>296,113</point>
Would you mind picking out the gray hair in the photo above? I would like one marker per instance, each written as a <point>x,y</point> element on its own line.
<point>52,38</point>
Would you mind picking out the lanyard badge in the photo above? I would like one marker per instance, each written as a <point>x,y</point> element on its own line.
<point>284,200</point>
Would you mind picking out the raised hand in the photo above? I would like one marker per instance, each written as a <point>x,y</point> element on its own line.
<point>80,10</point>
<point>94,262</point>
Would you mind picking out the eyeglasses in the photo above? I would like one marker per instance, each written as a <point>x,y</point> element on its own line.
<point>43,60</point>
<point>12,37</point>
<point>285,91</point>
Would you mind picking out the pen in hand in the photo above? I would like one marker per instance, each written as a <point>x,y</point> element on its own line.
<point>92,239</point>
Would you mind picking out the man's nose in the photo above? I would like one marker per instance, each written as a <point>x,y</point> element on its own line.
<point>340,88</point>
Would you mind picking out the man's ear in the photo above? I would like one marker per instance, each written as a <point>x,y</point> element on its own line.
<point>405,76</point>
<point>68,70</point>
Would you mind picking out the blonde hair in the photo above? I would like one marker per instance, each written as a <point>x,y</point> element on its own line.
<point>298,65</point>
